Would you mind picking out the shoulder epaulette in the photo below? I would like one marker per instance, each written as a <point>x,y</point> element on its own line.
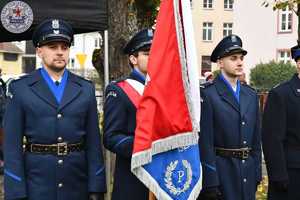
<point>275,86</point>
<point>20,77</point>
<point>80,78</point>
<point>119,79</point>
<point>84,79</point>
<point>250,87</point>
<point>11,81</point>
<point>16,79</point>
<point>206,84</point>
<point>279,84</point>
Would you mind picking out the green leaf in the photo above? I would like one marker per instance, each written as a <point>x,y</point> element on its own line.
<point>264,76</point>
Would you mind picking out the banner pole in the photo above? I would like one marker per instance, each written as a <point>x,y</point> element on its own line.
<point>151,196</point>
<point>108,155</point>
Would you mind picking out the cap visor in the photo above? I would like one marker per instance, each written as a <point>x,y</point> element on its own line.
<point>235,51</point>
<point>50,40</point>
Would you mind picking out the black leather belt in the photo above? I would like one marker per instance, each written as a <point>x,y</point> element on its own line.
<point>242,153</point>
<point>292,146</point>
<point>60,149</point>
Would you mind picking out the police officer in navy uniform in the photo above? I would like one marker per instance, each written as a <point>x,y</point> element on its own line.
<point>120,117</point>
<point>230,141</point>
<point>55,111</point>
<point>2,111</point>
<point>281,137</point>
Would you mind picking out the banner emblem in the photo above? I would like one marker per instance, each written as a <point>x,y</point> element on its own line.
<point>16,16</point>
<point>180,176</point>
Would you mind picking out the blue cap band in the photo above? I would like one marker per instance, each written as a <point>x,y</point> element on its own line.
<point>296,54</point>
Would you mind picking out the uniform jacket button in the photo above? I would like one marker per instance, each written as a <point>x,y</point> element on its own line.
<point>59,139</point>
<point>60,185</point>
<point>59,116</point>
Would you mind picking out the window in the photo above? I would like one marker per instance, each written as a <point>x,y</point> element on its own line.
<point>28,64</point>
<point>97,42</point>
<point>207,31</point>
<point>205,64</point>
<point>72,63</point>
<point>284,56</point>
<point>227,29</point>
<point>228,4</point>
<point>73,43</point>
<point>207,3</point>
<point>10,56</point>
<point>285,20</point>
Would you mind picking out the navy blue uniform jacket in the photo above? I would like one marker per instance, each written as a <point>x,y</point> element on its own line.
<point>281,138</point>
<point>33,112</point>
<point>228,124</point>
<point>119,127</point>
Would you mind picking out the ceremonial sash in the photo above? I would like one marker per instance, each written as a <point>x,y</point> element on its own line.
<point>133,89</point>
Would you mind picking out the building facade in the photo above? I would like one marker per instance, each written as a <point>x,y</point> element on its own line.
<point>212,19</point>
<point>267,34</point>
<point>10,59</point>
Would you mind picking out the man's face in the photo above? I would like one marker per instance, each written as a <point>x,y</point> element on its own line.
<point>232,65</point>
<point>54,55</point>
<point>141,61</point>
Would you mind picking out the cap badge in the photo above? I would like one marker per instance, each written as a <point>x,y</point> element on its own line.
<point>150,33</point>
<point>55,24</point>
<point>233,38</point>
<point>56,31</point>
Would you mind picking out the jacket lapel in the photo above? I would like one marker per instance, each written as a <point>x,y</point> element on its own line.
<point>39,86</point>
<point>72,90</point>
<point>295,85</point>
<point>226,94</point>
<point>245,100</point>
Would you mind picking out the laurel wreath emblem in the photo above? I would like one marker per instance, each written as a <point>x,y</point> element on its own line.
<point>168,177</point>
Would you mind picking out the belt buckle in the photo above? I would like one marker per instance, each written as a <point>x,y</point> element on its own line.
<point>31,148</point>
<point>62,149</point>
<point>245,154</point>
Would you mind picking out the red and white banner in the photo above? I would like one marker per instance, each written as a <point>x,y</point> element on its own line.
<point>168,113</point>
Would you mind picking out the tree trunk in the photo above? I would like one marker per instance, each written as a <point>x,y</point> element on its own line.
<point>125,17</point>
<point>151,196</point>
<point>122,24</point>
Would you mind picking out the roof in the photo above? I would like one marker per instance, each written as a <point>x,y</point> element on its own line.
<point>9,47</point>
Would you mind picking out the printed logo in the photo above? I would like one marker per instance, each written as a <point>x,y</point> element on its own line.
<point>182,149</point>
<point>16,16</point>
